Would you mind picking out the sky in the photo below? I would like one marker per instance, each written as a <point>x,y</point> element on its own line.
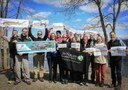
<point>52,10</point>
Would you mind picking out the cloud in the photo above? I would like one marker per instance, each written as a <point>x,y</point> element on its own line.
<point>91,8</point>
<point>56,3</point>
<point>78,20</point>
<point>41,15</point>
<point>38,16</point>
<point>29,9</point>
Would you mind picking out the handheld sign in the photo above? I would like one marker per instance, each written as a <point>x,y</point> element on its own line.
<point>35,47</point>
<point>62,45</point>
<point>101,50</point>
<point>118,51</point>
<point>40,24</point>
<point>58,26</point>
<point>13,23</point>
<point>75,45</point>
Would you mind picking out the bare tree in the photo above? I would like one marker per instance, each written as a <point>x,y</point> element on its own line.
<point>72,5</point>
<point>115,12</point>
<point>5,11</point>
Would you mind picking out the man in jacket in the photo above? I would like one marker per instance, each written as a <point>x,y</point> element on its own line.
<point>115,61</point>
<point>21,61</point>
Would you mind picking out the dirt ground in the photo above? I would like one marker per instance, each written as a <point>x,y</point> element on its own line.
<point>55,86</point>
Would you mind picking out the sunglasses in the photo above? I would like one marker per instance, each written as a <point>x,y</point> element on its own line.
<point>39,34</point>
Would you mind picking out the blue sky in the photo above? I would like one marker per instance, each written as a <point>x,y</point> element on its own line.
<point>49,10</point>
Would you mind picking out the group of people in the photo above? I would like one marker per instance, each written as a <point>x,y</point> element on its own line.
<point>98,63</point>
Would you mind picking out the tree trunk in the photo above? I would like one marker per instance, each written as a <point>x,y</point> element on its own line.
<point>102,24</point>
<point>1,11</point>
<point>6,8</point>
<point>116,14</point>
<point>18,10</point>
<point>0,50</point>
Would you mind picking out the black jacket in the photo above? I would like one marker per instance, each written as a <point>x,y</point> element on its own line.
<point>38,39</point>
<point>111,43</point>
<point>12,46</point>
<point>89,42</point>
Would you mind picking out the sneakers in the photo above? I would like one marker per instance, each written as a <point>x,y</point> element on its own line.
<point>27,81</point>
<point>85,83</point>
<point>81,84</point>
<point>118,87</point>
<point>97,84</point>
<point>101,85</point>
<point>16,82</point>
<point>54,81</point>
<point>112,86</point>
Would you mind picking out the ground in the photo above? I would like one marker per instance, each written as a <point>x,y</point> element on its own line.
<point>55,86</point>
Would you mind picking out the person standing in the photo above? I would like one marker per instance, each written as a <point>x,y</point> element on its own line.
<point>12,51</point>
<point>115,62</point>
<point>38,57</point>
<point>84,43</point>
<point>21,61</point>
<point>100,65</point>
<point>91,44</point>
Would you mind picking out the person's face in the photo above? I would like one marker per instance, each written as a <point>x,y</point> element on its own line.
<point>91,36</point>
<point>58,34</point>
<point>84,34</point>
<point>112,36</point>
<point>99,40</point>
<point>52,36</point>
<point>39,34</point>
<point>64,38</point>
<point>76,35</point>
<point>14,33</point>
<point>24,32</point>
<point>74,40</point>
<point>85,41</point>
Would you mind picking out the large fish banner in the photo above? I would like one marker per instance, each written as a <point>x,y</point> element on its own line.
<point>35,47</point>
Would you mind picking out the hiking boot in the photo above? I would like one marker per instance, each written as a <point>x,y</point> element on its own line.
<point>41,79</point>
<point>35,79</point>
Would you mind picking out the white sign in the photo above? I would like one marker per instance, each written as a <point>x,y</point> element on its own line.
<point>58,26</point>
<point>75,45</point>
<point>40,24</point>
<point>101,50</point>
<point>13,23</point>
<point>89,50</point>
<point>118,51</point>
<point>97,52</point>
<point>62,45</point>
<point>77,31</point>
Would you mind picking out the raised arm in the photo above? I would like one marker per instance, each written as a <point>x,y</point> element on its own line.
<point>46,33</point>
<point>68,33</point>
<point>30,33</point>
